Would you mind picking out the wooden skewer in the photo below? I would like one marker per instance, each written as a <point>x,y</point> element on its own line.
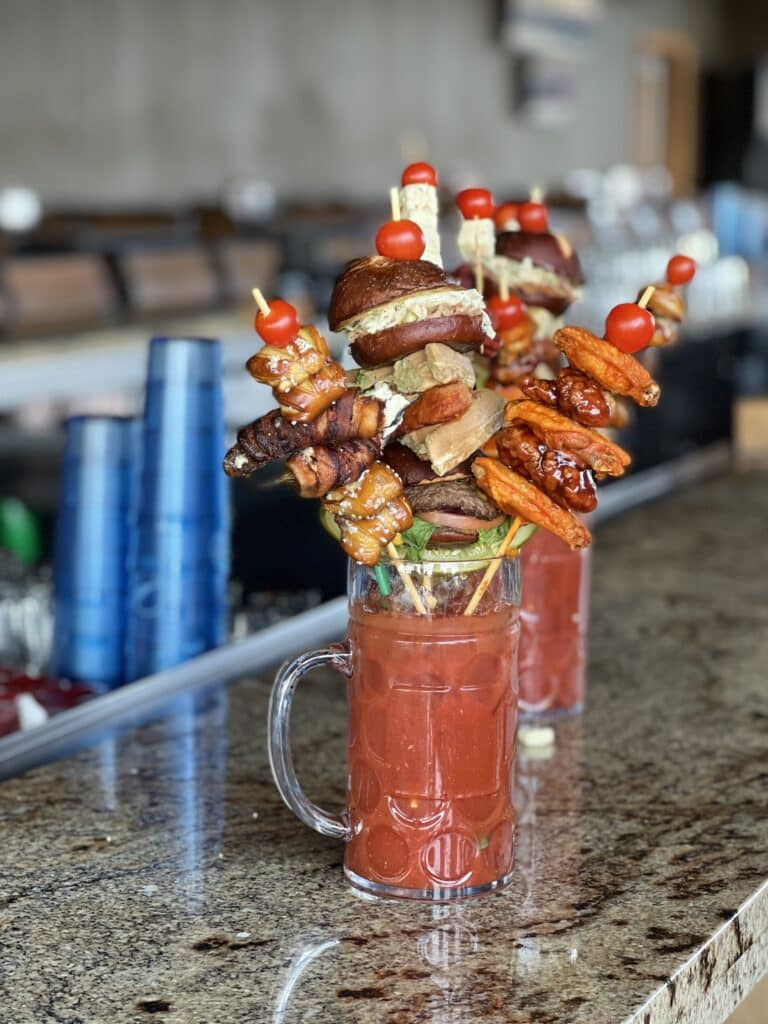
<point>408,583</point>
<point>479,282</point>
<point>261,302</point>
<point>394,200</point>
<point>278,481</point>
<point>645,298</point>
<point>504,284</point>
<point>537,194</point>
<point>493,567</point>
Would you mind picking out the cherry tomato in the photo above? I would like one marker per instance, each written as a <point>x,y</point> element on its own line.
<point>533,217</point>
<point>280,326</point>
<point>504,214</point>
<point>400,240</point>
<point>505,313</point>
<point>475,202</point>
<point>629,327</point>
<point>680,269</point>
<point>419,174</point>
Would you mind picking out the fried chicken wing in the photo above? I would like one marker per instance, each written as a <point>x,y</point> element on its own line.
<point>574,394</point>
<point>558,474</point>
<point>557,431</point>
<point>582,398</point>
<point>516,496</point>
<point>614,370</point>
<point>539,389</point>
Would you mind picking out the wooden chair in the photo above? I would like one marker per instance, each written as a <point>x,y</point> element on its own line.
<point>51,293</point>
<point>246,264</point>
<point>164,281</point>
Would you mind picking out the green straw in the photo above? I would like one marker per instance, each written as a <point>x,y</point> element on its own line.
<point>383,580</point>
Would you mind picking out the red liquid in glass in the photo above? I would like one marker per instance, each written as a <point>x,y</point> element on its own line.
<point>554,625</point>
<point>432,721</point>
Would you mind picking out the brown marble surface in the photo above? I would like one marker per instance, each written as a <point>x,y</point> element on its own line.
<point>157,876</point>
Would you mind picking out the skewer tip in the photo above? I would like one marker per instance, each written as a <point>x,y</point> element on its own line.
<point>394,199</point>
<point>504,284</point>
<point>261,302</point>
<point>537,194</point>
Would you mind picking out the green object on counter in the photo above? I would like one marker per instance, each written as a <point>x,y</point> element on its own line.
<point>19,530</point>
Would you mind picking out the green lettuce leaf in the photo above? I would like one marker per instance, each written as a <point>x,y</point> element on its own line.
<point>415,540</point>
<point>414,546</point>
<point>486,545</point>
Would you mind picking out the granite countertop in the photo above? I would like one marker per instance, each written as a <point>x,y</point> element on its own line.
<point>157,876</point>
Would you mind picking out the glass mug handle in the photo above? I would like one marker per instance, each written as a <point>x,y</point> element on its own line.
<point>279,740</point>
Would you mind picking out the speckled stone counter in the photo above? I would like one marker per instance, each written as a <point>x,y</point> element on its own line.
<point>157,876</point>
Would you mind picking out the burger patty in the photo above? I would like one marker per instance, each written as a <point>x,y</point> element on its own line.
<point>403,339</point>
<point>460,497</point>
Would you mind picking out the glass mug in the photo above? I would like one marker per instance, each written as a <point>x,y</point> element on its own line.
<point>554,624</point>
<point>432,718</point>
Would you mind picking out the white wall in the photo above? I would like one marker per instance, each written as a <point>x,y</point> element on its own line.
<point>163,99</point>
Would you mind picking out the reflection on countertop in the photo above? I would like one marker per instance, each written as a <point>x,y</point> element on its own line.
<point>157,876</point>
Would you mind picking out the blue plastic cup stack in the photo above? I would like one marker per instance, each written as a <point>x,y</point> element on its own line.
<point>180,549</point>
<point>92,532</point>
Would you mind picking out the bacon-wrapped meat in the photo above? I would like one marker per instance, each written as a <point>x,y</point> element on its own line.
<point>273,437</point>
<point>319,469</point>
<point>513,494</point>
<point>560,475</point>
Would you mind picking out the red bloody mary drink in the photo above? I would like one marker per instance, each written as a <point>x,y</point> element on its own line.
<point>431,667</point>
<point>554,626</point>
<point>432,722</point>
